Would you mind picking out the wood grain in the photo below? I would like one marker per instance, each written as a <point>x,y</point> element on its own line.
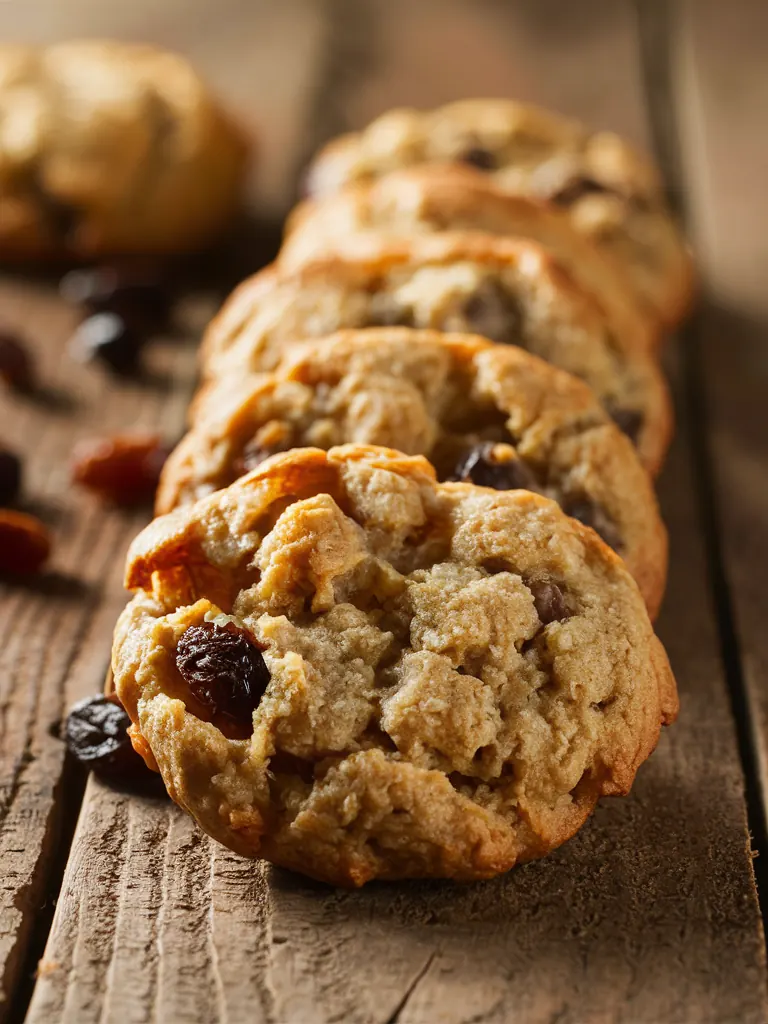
<point>722,95</point>
<point>649,914</point>
<point>56,628</point>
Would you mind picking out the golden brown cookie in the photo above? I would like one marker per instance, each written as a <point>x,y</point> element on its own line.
<point>612,193</point>
<point>506,290</point>
<point>111,148</point>
<point>351,670</point>
<point>489,414</point>
<point>437,198</point>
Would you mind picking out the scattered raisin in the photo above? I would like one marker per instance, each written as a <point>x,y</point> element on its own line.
<point>225,670</point>
<point>630,421</point>
<point>577,188</point>
<point>492,312</point>
<point>96,734</point>
<point>10,477</point>
<point>16,366</point>
<point>123,469</point>
<point>549,601</point>
<point>107,338</point>
<point>592,514</point>
<point>477,156</point>
<point>480,466</point>
<point>24,543</point>
<point>135,293</point>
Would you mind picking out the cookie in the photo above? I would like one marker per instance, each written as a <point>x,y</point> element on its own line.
<point>506,290</point>
<point>110,148</point>
<point>612,193</point>
<point>438,198</point>
<point>348,669</point>
<point>490,414</point>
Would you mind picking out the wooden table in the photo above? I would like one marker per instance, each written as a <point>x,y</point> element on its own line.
<point>116,908</point>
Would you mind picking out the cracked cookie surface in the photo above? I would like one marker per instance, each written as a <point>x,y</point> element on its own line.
<point>108,147</point>
<point>448,677</point>
<point>506,290</point>
<point>611,192</point>
<point>438,198</point>
<point>490,414</point>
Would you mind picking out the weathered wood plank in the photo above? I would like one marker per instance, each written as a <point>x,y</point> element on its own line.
<point>722,95</point>
<point>142,936</point>
<point>57,626</point>
<point>649,914</point>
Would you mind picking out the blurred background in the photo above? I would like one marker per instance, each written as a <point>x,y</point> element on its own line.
<point>298,71</point>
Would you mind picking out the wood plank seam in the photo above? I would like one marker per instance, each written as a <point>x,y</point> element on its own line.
<point>621,925</point>
<point>659,24</point>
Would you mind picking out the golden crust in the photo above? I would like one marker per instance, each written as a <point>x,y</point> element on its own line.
<point>532,151</point>
<point>432,281</point>
<point>108,148</point>
<point>424,392</point>
<point>376,590</point>
<point>434,198</point>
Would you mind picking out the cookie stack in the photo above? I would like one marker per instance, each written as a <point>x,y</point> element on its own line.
<point>394,616</point>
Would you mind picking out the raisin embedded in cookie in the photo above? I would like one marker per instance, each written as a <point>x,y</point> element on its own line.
<point>348,669</point>
<point>437,198</point>
<point>612,193</point>
<point>107,148</point>
<point>510,291</point>
<point>489,414</point>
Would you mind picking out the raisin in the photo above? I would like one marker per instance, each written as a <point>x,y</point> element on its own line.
<point>225,670</point>
<point>106,337</point>
<point>480,466</point>
<point>577,188</point>
<point>24,543</point>
<point>136,294</point>
<point>388,315</point>
<point>549,601</point>
<point>61,219</point>
<point>630,421</point>
<point>123,469</point>
<point>10,477</point>
<point>592,514</point>
<point>96,734</point>
<point>478,156</point>
<point>492,312</point>
<point>253,455</point>
<point>16,366</point>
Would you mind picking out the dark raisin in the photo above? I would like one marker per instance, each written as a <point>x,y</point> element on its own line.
<point>134,293</point>
<point>107,338</point>
<point>10,477</point>
<point>479,466</point>
<point>577,188</point>
<point>96,734</point>
<point>61,218</point>
<point>630,421</point>
<point>592,514</point>
<point>549,601</point>
<point>25,543</point>
<point>225,670</point>
<point>478,156</point>
<point>16,366</point>
<point>492,312</point>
